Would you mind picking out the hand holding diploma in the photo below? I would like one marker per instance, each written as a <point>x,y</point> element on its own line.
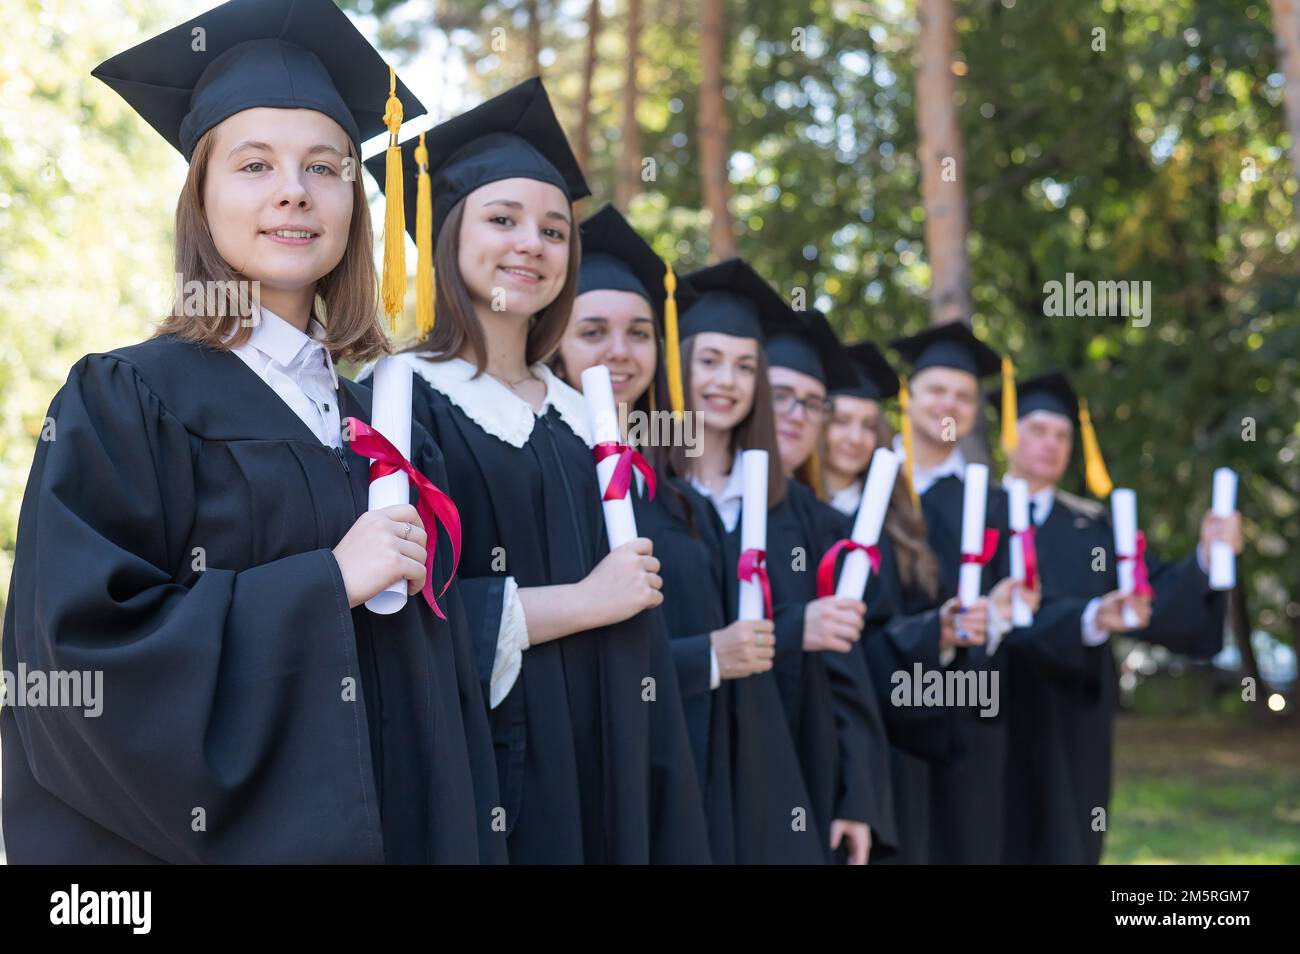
<point>390,415</point>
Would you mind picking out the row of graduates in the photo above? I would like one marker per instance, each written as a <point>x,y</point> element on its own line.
<point>558,702</point>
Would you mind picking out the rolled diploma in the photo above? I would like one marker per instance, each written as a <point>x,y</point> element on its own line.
<point>868,523</point>
<point>976,489</point>
<point>390,415</point>
<point>1123,511</point>
<point>620,521</point>
<point>1018,492</point>
<point>1223,563</point>
<point>753,526</point>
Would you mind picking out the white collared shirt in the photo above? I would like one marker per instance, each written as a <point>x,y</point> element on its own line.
<point>848,499</point>
<point>299,369</point>
<point>924,478</point>
<point>728,502</point>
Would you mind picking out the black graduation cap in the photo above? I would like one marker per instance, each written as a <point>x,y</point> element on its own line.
<point>615,257</point>
<point>876,380</point>
<point>1043,392</point>
<point>287,54</point>
<point>735,300</point>
<point>812,348</point>
<point>950,345</point>
<point>514,135</point>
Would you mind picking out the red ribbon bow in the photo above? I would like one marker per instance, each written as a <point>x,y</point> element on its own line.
<point>1029,548</point>
<point>433,506</point>
<point>621,479</point>
<point>1141,580</point>
<point>990,547</point>
<point>753,564</point>
<point>826,568</point>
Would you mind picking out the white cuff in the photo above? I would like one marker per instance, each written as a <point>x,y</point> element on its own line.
<point>512,640</point>
<point>998,627</point>
<point>715,674</point>
<point>1201,560</point>
<point>946,655</point>
<point>1093,635</point>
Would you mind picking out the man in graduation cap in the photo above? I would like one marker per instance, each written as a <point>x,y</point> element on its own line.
<point>940,403</point>
<point>255,710</point>
<point>1062,677</point>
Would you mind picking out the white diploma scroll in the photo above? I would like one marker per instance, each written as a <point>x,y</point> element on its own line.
<point>976,489</point>
<point>1223,563</point>
<point>390,415</point>
<point>753,527</point>
<point>620,521</point>
<point>1018,495</point>
<point>1123,512</point>
<point>868,523</point>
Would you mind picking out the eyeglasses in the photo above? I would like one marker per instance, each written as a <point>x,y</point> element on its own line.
<point>784,402</point>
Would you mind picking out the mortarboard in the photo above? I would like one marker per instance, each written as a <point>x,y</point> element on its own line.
<point>877,381</point>
<point>285,54</point>
<point>735,300</point>
<point>1052,391</point>
<point>811,348</point>
<point>950,345</point>
<point>615,257</point>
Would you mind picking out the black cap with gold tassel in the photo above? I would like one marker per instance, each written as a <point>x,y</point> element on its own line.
<point>1052,392</point>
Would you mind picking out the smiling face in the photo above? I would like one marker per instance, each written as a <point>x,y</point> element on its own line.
<point>797,429</point>
<point>724,371</point>
<point>514,245</point>
<point>851,436</point>
<point>276,201</point>
<point>616,329</point>
<point>1044,442</point>
<point>938,393</point>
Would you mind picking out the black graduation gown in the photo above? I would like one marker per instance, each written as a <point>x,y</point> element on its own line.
<point>966,792</point>
<point>594,762</point>
<point>902,631</point>
<point>1062,693</point>
<point>176,534</point>
<point>744,755</point>
<point>829,700</point>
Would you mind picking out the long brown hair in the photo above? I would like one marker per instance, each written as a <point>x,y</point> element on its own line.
<point>918,569</point>
<point>347,301</point>
<point>756,432</point>
<point>457,325</point>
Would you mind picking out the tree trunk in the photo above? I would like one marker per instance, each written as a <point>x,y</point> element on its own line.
<point>588,75</point>
<point>943,190</point>
<point>713,133</point>
<point>628,181</point>
<point>1286,29</point>
<point>534,37</point>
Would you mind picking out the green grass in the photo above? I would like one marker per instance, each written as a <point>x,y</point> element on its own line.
<point>1188,792</point>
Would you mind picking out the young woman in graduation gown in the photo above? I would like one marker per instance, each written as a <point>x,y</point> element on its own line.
<point>744,755</point>
<point>909,625</point>
<point>196,529</point>
<point>725,380</point>
<point>594,760</point>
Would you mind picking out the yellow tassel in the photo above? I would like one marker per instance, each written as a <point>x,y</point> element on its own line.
<point>813,469</point>
<point>394,282</point>
<point>1009,415</point>
<point>1094,465</point>
<point>423,244</point>
<point>904,402</point>
<point>673,358</point>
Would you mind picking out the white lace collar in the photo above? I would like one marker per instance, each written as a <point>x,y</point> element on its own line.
<point>493,406</point>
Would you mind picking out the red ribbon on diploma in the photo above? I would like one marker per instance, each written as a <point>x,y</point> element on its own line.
<point>990,547</point>
<point>621,479</point>
<point>433,506</point>
<point>1030,550</point>
<point>826,568</point>
<point>1141,580</point>
<point>753,563</point>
